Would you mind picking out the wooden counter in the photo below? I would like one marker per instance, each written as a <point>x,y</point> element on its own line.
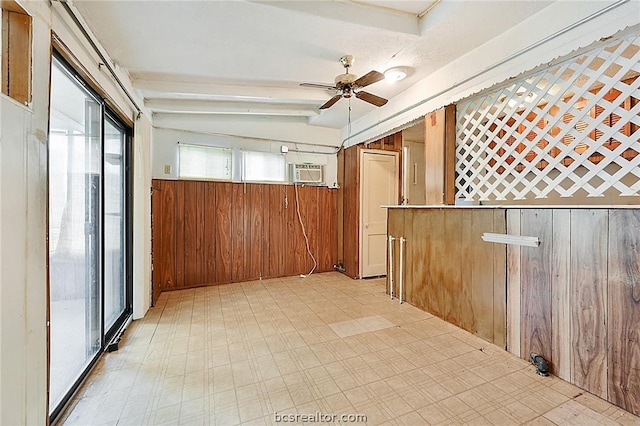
<point>574,299</point>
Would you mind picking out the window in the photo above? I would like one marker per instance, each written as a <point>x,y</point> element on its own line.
<point>16,52</point>
<point>263,167</point>
<point>204,162</point>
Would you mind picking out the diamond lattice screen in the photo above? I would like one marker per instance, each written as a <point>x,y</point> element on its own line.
<point>572,127</point>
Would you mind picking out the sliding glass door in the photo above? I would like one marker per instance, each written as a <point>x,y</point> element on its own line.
<point>88,231</point>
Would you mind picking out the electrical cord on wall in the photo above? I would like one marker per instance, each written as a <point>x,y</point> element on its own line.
<point>304,232</point>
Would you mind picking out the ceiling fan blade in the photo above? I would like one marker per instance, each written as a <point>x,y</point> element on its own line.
<point>318,86</point>
<point>371,98</point>
<point>331,101</point>
<point>369,78</point>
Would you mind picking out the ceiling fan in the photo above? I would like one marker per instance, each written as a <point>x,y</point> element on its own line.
<point>349,85</point>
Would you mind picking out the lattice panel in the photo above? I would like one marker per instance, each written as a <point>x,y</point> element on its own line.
<point>572,127</point>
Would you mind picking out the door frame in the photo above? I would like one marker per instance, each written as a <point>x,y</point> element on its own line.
<point>364,151</point>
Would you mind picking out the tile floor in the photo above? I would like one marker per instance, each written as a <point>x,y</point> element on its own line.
<point>240,353</point>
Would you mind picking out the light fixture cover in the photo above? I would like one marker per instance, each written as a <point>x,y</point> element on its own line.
<point>396,73</point>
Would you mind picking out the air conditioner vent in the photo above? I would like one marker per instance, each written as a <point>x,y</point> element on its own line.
<point>307,173</point>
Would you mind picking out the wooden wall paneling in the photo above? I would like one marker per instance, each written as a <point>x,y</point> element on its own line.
<point>223,235</point>
<point>536,284</point>
<point>513,284</point>
<point>418,254</point>
<point>435,271</point>
<point>209,234</point>
<point>561,295</point>
<point>450,155</point>
<point>292,250</point>
<point>415,242</point>
<point>192,235</point>
<point>255,220</point>
<point>302,257</point>
<point>237,232</point>
<point>311,224</point>
<point>327,245</point>
<point>589,236</point>
<point>180,234</point>
<point>624,309</point>
<point>266,231</point>
<point>351,241</point>
<point>277,230</point>
<point>482,274</point>
<point>465,298</point>
<point>434,156</point>
<point>340,206</point>
<point>451,283</point>
<point>163,238</point>
<point>499,282</point>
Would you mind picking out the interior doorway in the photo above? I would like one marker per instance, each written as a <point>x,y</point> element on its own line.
<point>379,177</point>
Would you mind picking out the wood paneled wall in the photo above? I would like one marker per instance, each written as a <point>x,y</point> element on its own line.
<point>440,156</point>
<point>575,299</point>
<point>208,233</point>
<point>449,271</point>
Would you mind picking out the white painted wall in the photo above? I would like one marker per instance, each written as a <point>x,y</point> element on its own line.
<point>458,79</point>
<point>23,210</point>
<point>165,151</point>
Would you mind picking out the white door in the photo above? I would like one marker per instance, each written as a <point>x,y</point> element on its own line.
<point>379,187</point>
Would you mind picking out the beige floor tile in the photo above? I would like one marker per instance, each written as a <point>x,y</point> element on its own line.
<point>238,353</point>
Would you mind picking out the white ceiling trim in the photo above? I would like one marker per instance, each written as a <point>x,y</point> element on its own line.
<point>354,13</point>
<point>186,106</point>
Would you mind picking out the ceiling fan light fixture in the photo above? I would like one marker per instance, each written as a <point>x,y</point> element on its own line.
<point>396,74</point>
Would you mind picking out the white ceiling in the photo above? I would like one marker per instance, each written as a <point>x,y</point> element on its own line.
<point>248,58</point>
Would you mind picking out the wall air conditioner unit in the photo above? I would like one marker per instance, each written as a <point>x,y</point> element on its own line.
<point>307,173</point>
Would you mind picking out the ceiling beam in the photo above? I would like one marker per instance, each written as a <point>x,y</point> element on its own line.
<point>292,94</point>
<point>187,106</point>
<point>353,13</point>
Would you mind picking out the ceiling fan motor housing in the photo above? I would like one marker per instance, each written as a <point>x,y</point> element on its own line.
<point>345,80</point>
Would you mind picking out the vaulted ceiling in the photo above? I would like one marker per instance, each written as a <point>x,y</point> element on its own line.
<point>231,60</point>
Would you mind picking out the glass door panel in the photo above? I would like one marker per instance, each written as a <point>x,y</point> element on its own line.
<point>74,231</point>
<point>114,222</point>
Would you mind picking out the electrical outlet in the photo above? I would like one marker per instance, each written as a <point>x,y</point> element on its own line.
<point>167,169</point>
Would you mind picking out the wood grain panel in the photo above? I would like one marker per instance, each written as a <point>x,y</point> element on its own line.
<point>499,282</point>
<point>467,243</point>
<point>451,278</point>
<point>223,235</point>
<point>326,247</point>
<point>482,274</point>
<point>536,285</point>
<point>311,225</point>
<point>256,209</point>
<point>450,155</point>
<point>412,278</point>
<point>434,157</point>
<point>513,284</point>
<point>351,211</point>
<point>294,256</point>
<point>340,206</point>
<point>223,232</point>
<point>589,234</point>
<point>419,237</point>
<point>193,200</point>
<point>277,230</point>
<point>237,233</point>
<point>624,309</point>
<point>561,295</point>
<point>209,236</point>
<point>180,234</point>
